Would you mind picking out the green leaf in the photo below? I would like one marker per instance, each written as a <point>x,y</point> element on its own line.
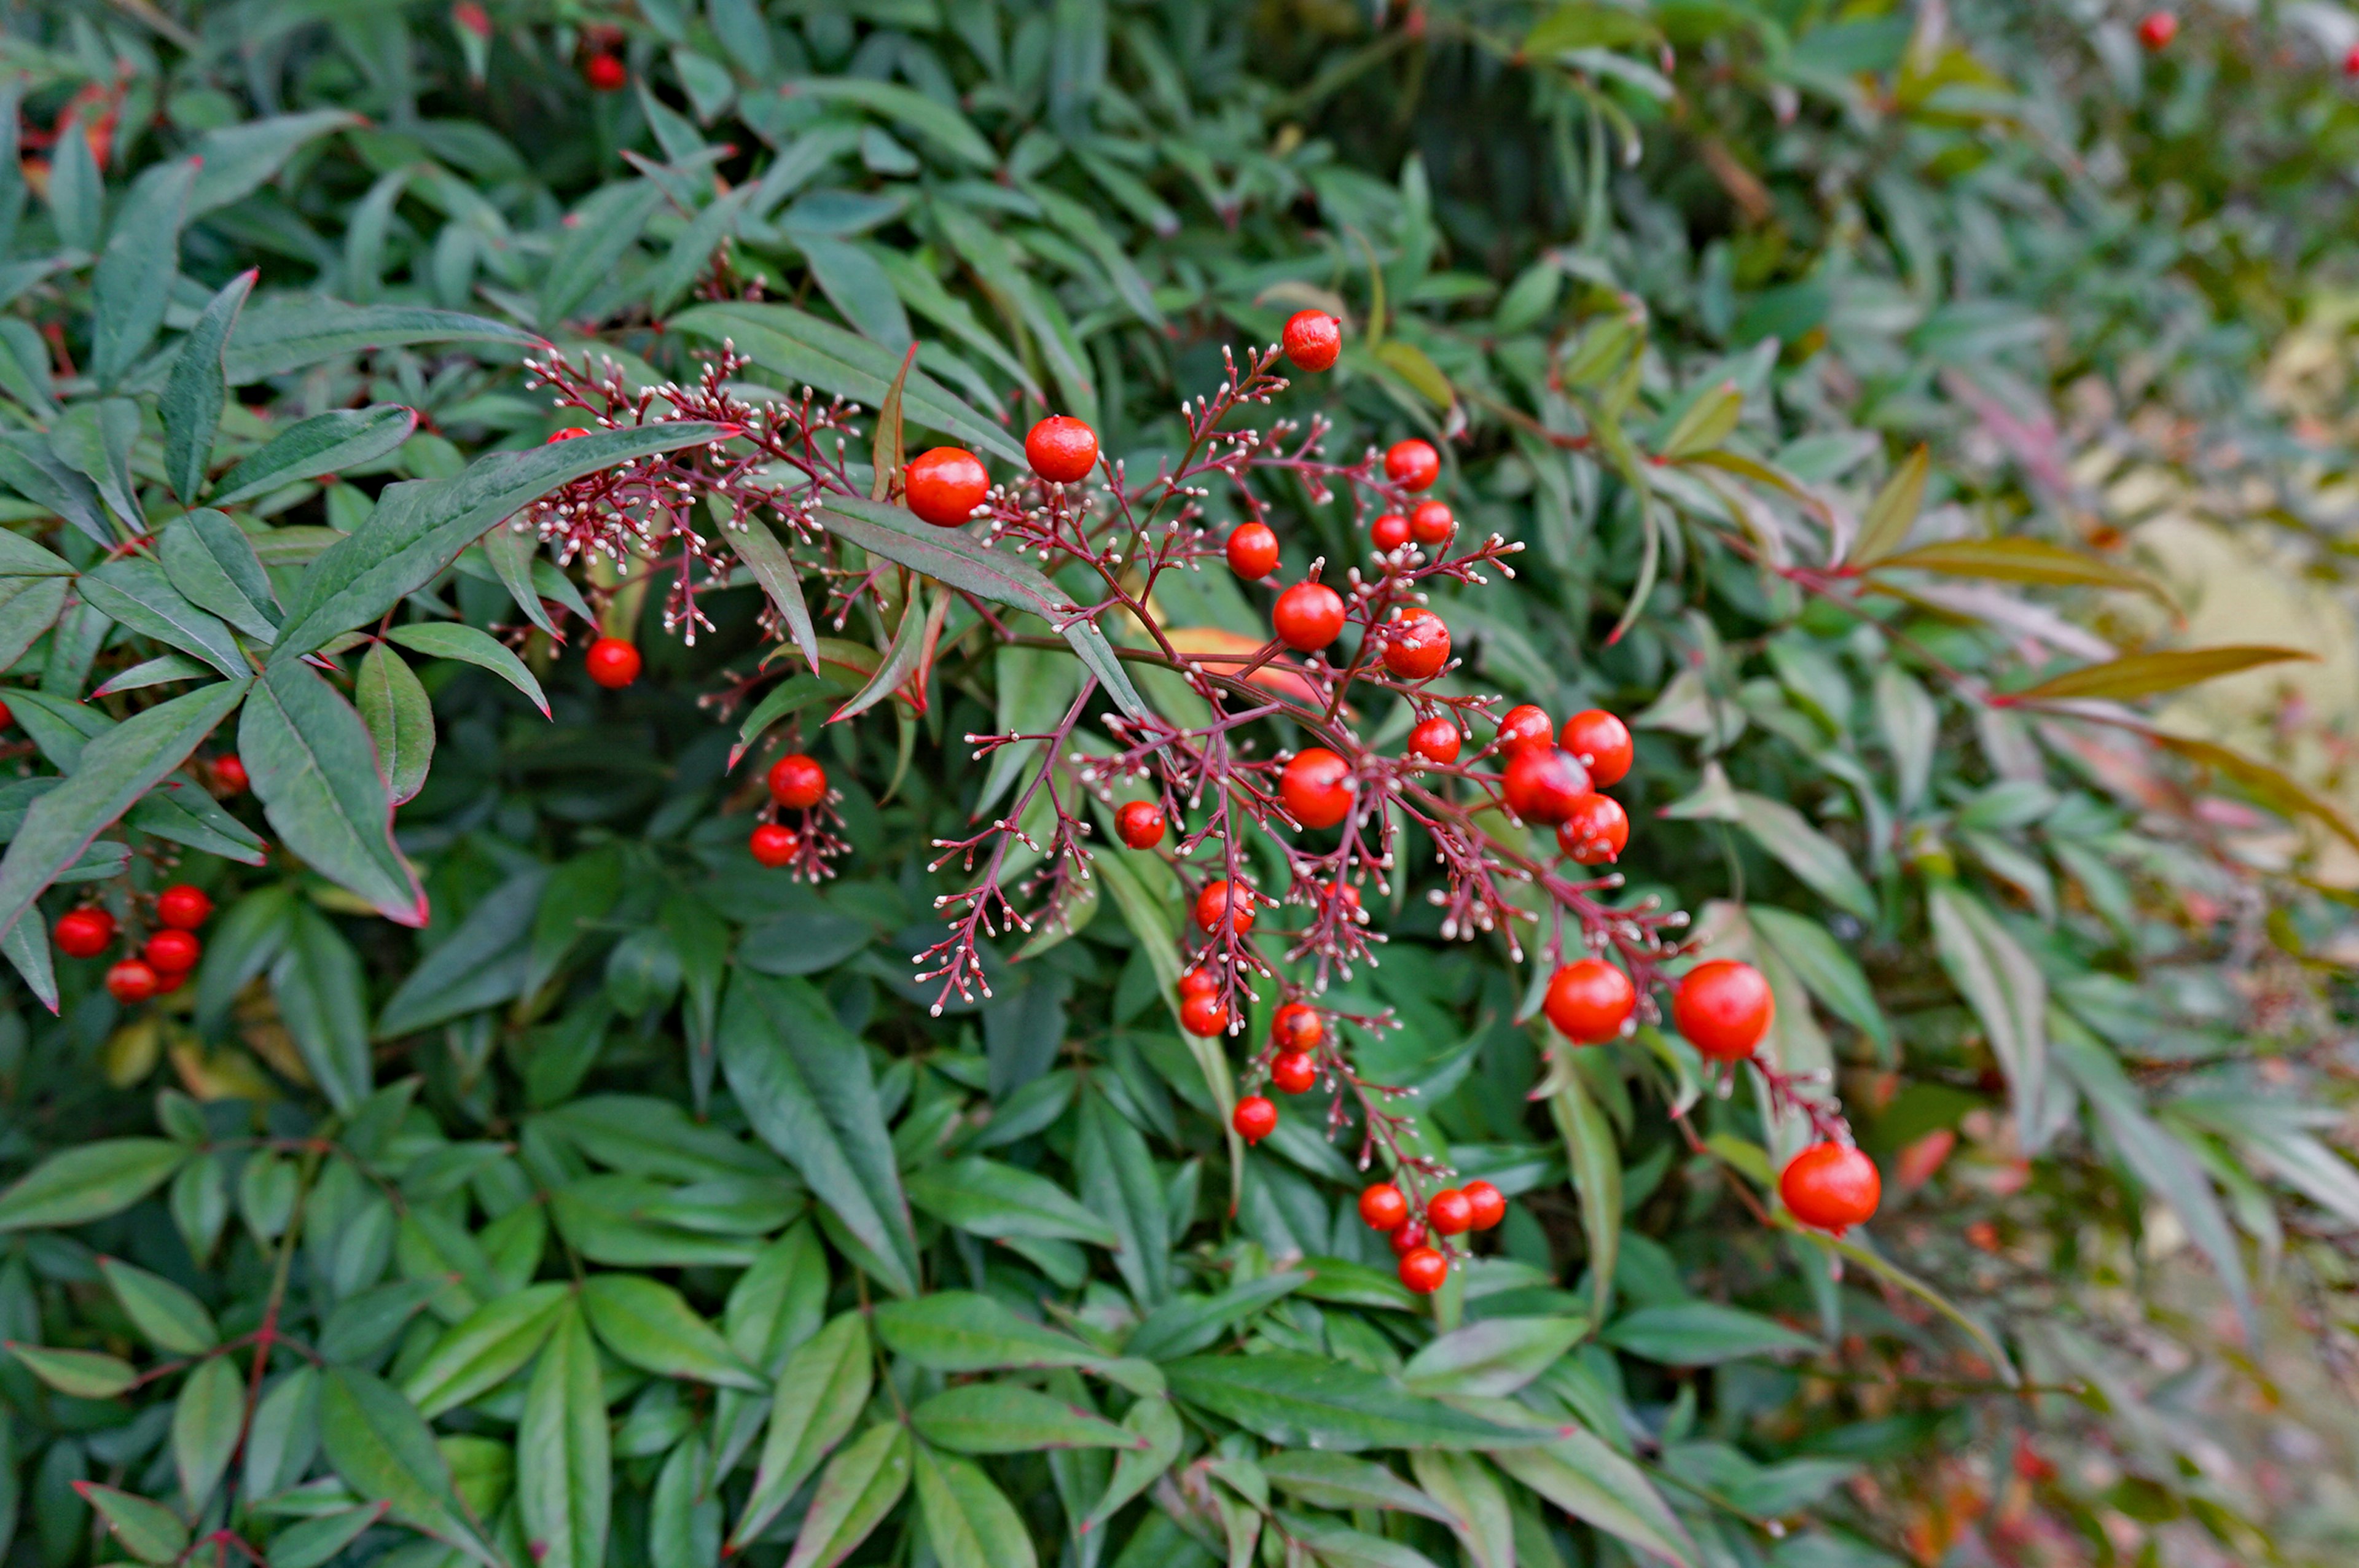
<point>237,160</point>
<point>2150,675</point>
<point>1598,1487</point>
<point>288,333</point>
<point>766,556</point>
<point>212,562</point>
<point>1340,1482</point>
<point>804,1083</point>
<point>684,1511</point>
<point>819,1397</point>
<point>651,1325</point>
<point>172,1320</point>
<point>1117,1181</point>
<point>88,1181</point>
<point>2019,560</point>
<point>480,964</point>
<point>1416,367</point>
<point>379,1444</point>
<point>1302,1401</point>
<point>1182,1325</point>
<point>1706,422</point>
<point>564,1464</point>
<point>960,1331</point>
<point>315,770</point>
<point>316,977</point>
<point>456,639</point>
<point>1596,1162</point>
<point>607,226</point>
<point>399,717</point>
<point>788,697</point>
<point>149,1531</point>
<point>196,391</point>
<point>856,1492</point>
<point>1136,1469</point>
<point>135,593</point>
<point>28,607</point>
<point>1001,1418</point>
<point>206,1419</point>
<point>1701,1334</point>
<point>2004,986</point>
<point>1494,1356</point>
<point>985,1197</point>
<point>485,1348</point>
<point>135,272</point>
<point>904,109</point>
<point>1810,854</point>
<point>1833,974</point>
<point>970,1523</point>
<point>1894,510</point>
<point>85,1374</point>
<point>325,443</point>
<point>1477,1504</point>
<point>32,472</point>
<point>315,1540</point>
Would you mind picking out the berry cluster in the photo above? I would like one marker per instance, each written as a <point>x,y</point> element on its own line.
<point>161,964</point>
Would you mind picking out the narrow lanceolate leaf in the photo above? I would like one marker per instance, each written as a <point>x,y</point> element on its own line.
<point>382,1447</point>
<point>195,395</point>
<point>291,331</point>
<point>135,272</point>
<point>564,1464</point>
<point>454,639</point>
<point>90,1182</point>
<point>819,1397</point>
<point>1703,1334</point>
<point>985,1197</point>
<point>1493,1357</point>
<point>970,1523</point>
<point>1338,1481</point>
<point>135,594</point>
<point>400,720</point>
<point>651,1325</point>
<point>1001,1418</point>
<point>325,443</point>
<point>1810,854</point>
<point>1311,1401</point>
<point>1596,1176</point>
<point>315,1540</point>
<point>1597,1486</point>
<point>1136,1469</point>
<point>764,554</point>
<point>147,1529</point>
<point>170,1319</point>
<point>316,977</point>
<point>316,772</point>
<point>1894,510</point>
<point>32,472</point>
<point>962,1331</point>
<point>2019,560</point>
<point>85,1374</point>
<point>1705,424</point>
<point>2150,675</point>
<point>212,562</point>
<point>2004,986</point>
<point>28,607</point>
<point>485,1348</point>
<point>858,1489</point>
<point>684,1511</point>
<point>1477,1505</point>
<point>205,1422</point>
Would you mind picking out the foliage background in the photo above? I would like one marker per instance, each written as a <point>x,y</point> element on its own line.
<point>2103,285</point>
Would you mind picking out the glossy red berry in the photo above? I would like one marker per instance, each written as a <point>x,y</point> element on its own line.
<point>1312,340</point>
<point>1542,784</point>
<point>1424,1269</point>
<point>1408,1237</point>
<point>131,980</point>
<point>1256,1120</point>
<point>1723,1007</point>
<point>8,716</point>
<point>230,776</point>
<point>1382,1207</point>
<point>613,663</point>
<point>172,951</point>
<point>1521,726</point>
<point>1596,832</point>
<point>183,907</point>
<point>605,73</point>
<point>1252,550</point>
<point>1316,787</point>
<point>1448,1212</point>
<point>1602,742</point>
<point>1297,1027</point>
<point>1588,1001</point>
<point>1436,740</point>
<point>1308,617</point>
<point>945,486</point>
<point>1293,1071</point>
<point>1205,1015</point>
<point>798,781</point>
<point>774,846</point>
<point>1061,449</point>
<point>85,933</point>
<point>1485,1203</point>
<point>1831,1186</point>
<point>1432,522</point>
<point>570,433</point>
<point>2351,61</point>
<point>1198,982</point>
<point>166,984</point>
<point>1140,823</point>
<point>1389,532</point>
<point>2155,30</point>
<point>1412,464</point>
<point>1217,903</point>
<point>1417,645</point>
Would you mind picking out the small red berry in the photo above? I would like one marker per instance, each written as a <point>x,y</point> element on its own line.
<point>1408,1237</point>
<point>1217,903</point>
<point>173,952</point>
<point>2156,29</point>
<point>570,433</point>
<point>473,18</point>
<point>1389,532</point>
<point>1723,1007</point>
<point>1485,1202</point>
<point>1308,616</point>
<point>2351,61</point>
<point>1351,897</point>
<point>85,933</point>
<point>1602,742</point>
<point>1255,1118</point>
<point>1297,1027</point>
<point>1412,464</point>
<point>1448,1212</point>
<point>184,906</point>
<point>131,980</point>
<point>1542,784</point>
<point>1293,1071</point>
<point>1588,1001</point>
<point>1436,740</point>
<point>230,776</point>
<point>1140,823</point>
<point>1596,832</point>
<point>1061,449</point>
<point>774,846</point>
<point>1523,725</point>
<point>1423,1270</point>
<point>1252,550</point>
<point>1203,1015</point>
<point>166,984</point>
<point>1432,522</point>
<point>1312,340</point>
<point>1382,1207</point>
<point>1417,645</point>
<point>8,716</point>
<point>1198,982</point>
<point>798,781</point>
<point>945,486</point>
<point>613,663</point>
<point>1316,787</point>
<point>1831,1186</point>
<point>605,73</point>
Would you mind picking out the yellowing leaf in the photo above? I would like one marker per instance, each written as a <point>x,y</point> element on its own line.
<point>1706,422</point>
<point>1410,364</point>
<point>2018,560</point>
<point>2149,675</point>
<point>1892,511</point>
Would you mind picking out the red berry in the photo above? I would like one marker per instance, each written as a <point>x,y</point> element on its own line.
<point>1205,1015</point>
<point>1436,740</point>
<point>1351,896</point>
<point>945,486</point>
<point>184,906</point>
<point>1408,1237</point>
<point>1312,340</point>
<point>1523,725</point>
<point>173,952</point>
<point>1542,785</point>
<point>1308,616</point>
<point>473,18</point>
<point>166,984</point>
<point>1316,787</point>
<point>2351,61</point>
<point>131,980</point>
<point>1831,1186</point>
<point>1588,1001</point>
<point>613,663</point>
<point>1423,1270</point>
<point>1198,982</point>
<point>774,846</point>
<point>1432,522</point>
<point>798,781</point>
<point>1216,903</point>
<point>570,433</point>
<point>1596,832</point>
<point>1252,550</point>
<point>1448,1212</point>
<point>1412,464</point>
<point>1297,1027</point>
<point>1382,1207</point>
<point>2156,29</point>
<point>605,73</point>
<point>1255,1118</point>
<point>8,716</point>
<point>1417,645</point>
<point>1389,532</point>
<point>229,775</point>
<point>1485,1203</point>
<point>1293,1071</point>
<point>1061,449</point>
<point>1723,1007</point>
<point>85,933</point>
<point>1602,742</point>
<point>1140,823</point>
